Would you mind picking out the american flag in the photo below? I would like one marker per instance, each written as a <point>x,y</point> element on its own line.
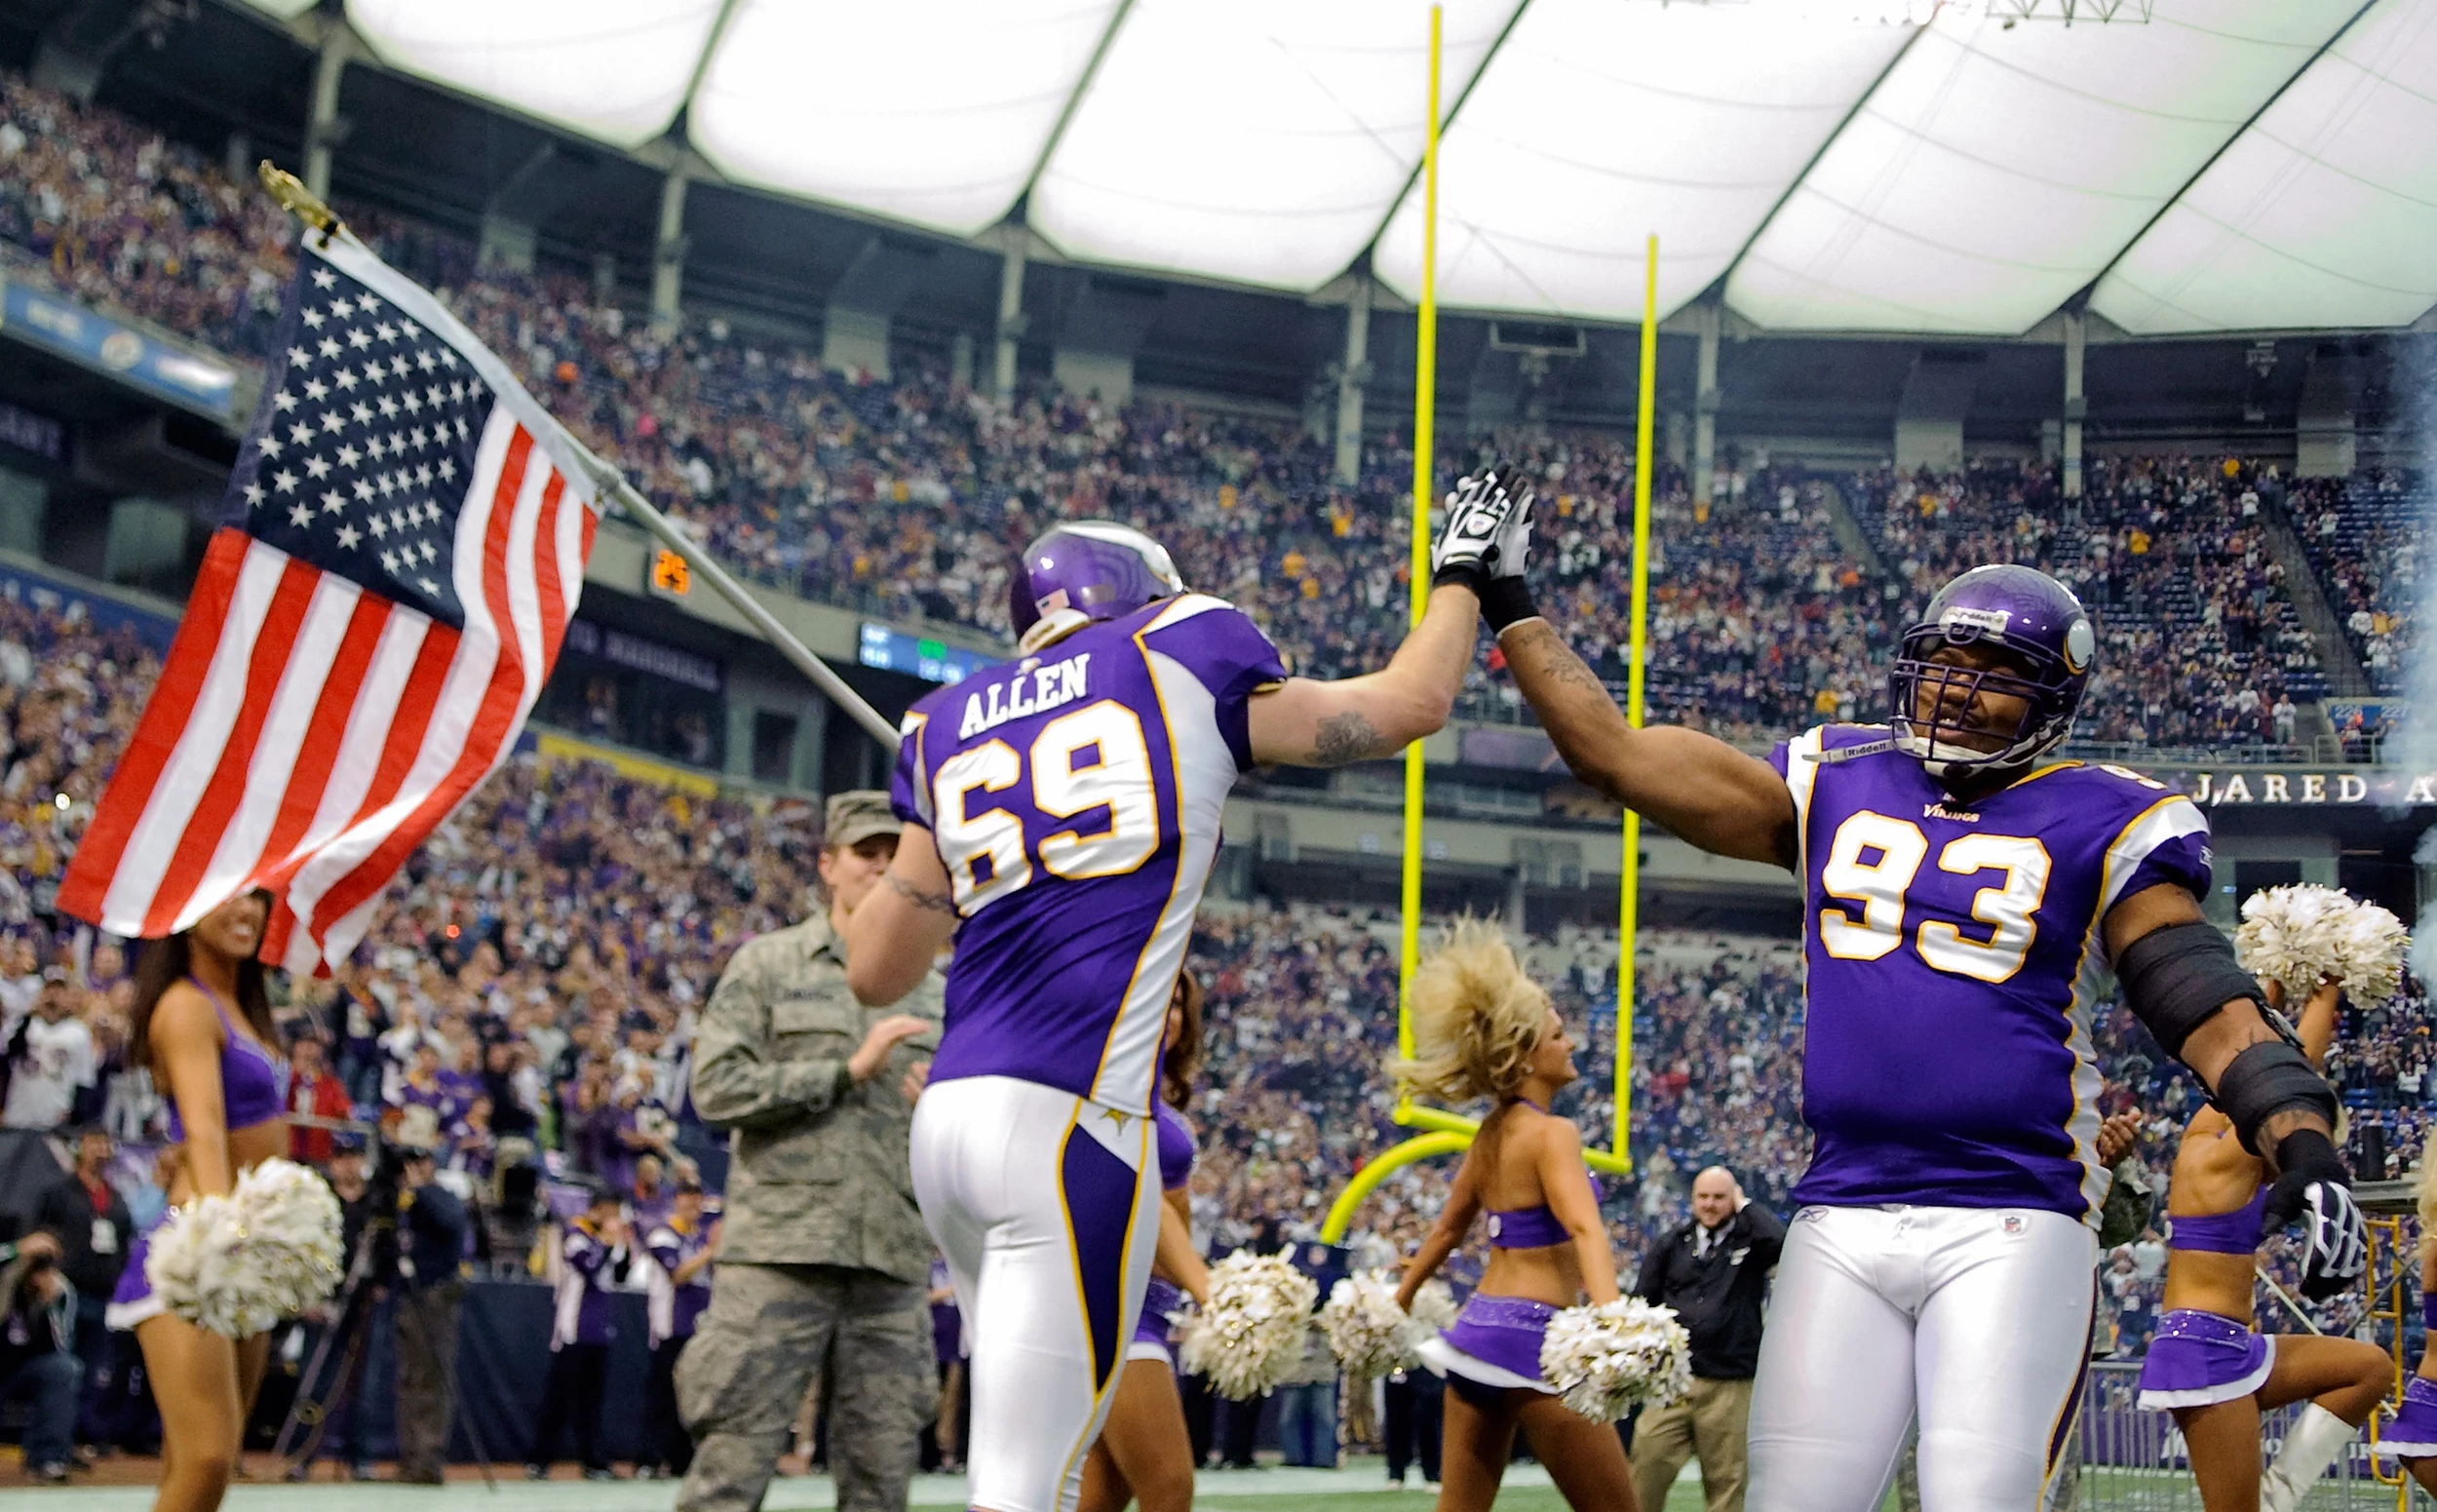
<point>404,545</point>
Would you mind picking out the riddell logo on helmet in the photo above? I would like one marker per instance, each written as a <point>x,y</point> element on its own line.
<point>1977,619</point>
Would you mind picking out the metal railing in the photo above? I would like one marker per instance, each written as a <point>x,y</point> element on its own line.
<point>2131,1461</point>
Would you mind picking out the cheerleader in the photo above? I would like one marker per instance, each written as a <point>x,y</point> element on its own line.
<point>1144,1452</point>
<point>2206,1364</point>
<point>201,1024</point>
<point>2411,1436</point>
<point>1483,1030</point>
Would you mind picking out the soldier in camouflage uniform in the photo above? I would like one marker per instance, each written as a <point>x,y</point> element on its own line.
<point>823,1254</point>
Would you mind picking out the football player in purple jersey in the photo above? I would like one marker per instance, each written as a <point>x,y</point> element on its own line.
<point>1965,894</point>
<point>1061,815</point>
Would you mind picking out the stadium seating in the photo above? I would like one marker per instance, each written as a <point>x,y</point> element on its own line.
<point>575,915</point>
<point>902,498</point>
<point>2363,538</point>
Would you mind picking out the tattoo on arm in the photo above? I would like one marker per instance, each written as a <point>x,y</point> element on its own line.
<point>2275,1126</point>
<point>1551,657</point>
<point>937,903</point>
<point>1346,737</point>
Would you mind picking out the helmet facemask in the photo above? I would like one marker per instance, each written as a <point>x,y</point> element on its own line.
<point>1949,743</point>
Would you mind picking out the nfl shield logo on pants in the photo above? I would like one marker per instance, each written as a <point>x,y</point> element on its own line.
<point>2013,1224</point>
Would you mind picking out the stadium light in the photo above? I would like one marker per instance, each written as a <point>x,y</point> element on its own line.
<point>1921,13</point>
<point>2320,215</point>
<point>1996,170</point>
<point>1597,122</point>
<point>1262,141</point>
<point>929,111</point>
<point>615,71</point>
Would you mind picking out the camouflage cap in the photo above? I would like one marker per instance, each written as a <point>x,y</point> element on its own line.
<point>855,817</point>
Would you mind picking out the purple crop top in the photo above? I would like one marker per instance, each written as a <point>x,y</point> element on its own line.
<point>1175,1147</point>
<point>253,1083</point>
<point>1531,1228</point>
<point>2220,1233</point>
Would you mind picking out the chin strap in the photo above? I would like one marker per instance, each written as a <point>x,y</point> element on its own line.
<point>1055,626</point>
<point>1850,753</point>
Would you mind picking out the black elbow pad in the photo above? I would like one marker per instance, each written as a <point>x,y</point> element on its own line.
<point>2175,979</point>
<point>2268,1078</point>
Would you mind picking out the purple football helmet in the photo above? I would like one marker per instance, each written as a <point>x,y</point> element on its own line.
<point>2045,634</point>
<point>1094,568</point>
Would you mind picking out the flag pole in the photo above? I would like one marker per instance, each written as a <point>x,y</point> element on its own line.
<point>635,507</point>
<point>309,207</point>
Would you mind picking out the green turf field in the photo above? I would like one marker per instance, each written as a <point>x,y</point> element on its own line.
<point>1685,1497</point>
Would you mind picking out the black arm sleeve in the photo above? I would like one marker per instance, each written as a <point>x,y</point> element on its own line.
<point>2266,1079</point>
<point>2177,978</point>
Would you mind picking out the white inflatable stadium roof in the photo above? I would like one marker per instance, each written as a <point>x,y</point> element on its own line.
<point>2213,165</point>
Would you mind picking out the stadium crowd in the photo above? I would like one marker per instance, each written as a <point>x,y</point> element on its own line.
<point>533,977</point>
<point>903,497</point>
<point>528,992</point>
<point>2199,646</point>
<point>2363,538</point>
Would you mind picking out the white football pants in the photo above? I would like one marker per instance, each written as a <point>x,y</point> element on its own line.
<point>1047,1209</point>
<point>1978,1318</point>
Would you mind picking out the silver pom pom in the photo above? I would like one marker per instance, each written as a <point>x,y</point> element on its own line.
<point>2288,936</point>
<point>1368,1332</point>
<point>295,1218</point>
<point>2370,953</point>
<point>2306,934</point>
<point>200,1265</point>
<point>238,1265</point>
<point>1252,1332</point>
<point>1603,1360</point>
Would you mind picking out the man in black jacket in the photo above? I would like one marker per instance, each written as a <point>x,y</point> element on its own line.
<point>90,1222</point>
<point>431,1233</point>
<point>1713,1271</point>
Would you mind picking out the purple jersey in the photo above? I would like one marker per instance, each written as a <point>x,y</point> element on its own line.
<point>1075,797</point>
<point>1953,956</point>
<point>671,1306</point>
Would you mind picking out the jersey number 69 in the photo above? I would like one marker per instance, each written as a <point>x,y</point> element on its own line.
<point>1088,773</point>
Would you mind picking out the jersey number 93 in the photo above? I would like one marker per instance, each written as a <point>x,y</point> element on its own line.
<point>1872,861</point>
<point>1087,777</point>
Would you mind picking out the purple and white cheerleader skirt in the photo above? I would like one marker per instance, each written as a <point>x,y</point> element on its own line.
<point>1150,1331</point>
<point>2197,1359</point>
<point>133,1301</point>
<point>1494,1343</point>
<point>2412,1433</point>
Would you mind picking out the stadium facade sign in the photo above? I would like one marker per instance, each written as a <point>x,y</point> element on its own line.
<point>35,435</point>
<point>156,367</point>
<point>933,660</point>
<point>2369,787</point>
<point>1527,748</point>
<point>624,649</point>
